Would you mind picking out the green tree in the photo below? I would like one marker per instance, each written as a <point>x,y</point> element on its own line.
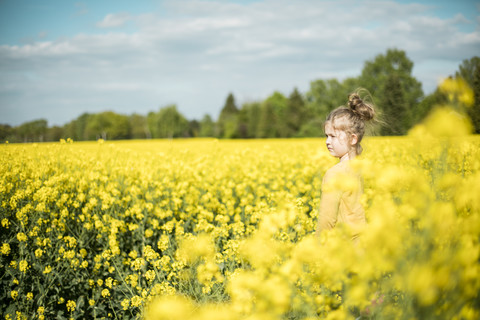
<point>313,128</point>
<point>469,70</point>
<point>394,108</point>
<point>253,111</point>
<point>326,95</point>
<point>227,121</point>
<point>138,127</point>
<point>267,126</point>
<point>5,132</point>
<point>193,128</point>
<point>167,123</point>
<point>207,127</point>
<point>55,133</point>
<point>76,129</point>
<point>427,104</point>
<point>249,119</point>
<point>278,104</point>
<point>375,76</point>
<point>107,125</point>
<point>33,131</point>
<point>296,113</point>
<point>243,122</point>
<point>474,111</point>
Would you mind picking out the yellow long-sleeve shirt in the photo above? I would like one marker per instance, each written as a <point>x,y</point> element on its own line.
<point>340,203</point>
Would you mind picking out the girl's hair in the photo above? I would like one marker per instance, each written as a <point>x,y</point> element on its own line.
<point>352,119</point>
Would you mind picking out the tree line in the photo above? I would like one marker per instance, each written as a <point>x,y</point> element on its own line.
<point>397,95</point>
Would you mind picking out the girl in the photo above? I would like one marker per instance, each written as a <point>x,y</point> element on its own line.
<point>342,186</point>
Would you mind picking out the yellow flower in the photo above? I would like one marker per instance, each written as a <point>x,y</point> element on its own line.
<point>23,266</point>
<point>148,233</point>
<point>38,253</point>
<point>41,310</point>
<point>71,305</point>
<point>5,223</point>
<point>29,296</point>
<point>109,282</point>
<point>69,255</point>
<point>14,294</point>
<point>137,264</point>
<point>136,301</point>
<point>5,249</point>
<point>47,269</point>
<point>21,237</point>
<point>457,89</point>
<point>133,254</point>
<point>105,293</point>
<point>150,254</point>
<point>163,242</point>
<point>150,275</point>
<point>125,304</point>
<point>91,302</point>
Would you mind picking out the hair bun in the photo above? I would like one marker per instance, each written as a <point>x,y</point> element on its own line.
<point>363,109</point>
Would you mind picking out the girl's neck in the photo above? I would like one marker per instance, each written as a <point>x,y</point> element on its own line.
<point>348,156</point>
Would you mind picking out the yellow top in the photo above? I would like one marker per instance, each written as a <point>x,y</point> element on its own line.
<point>340,203</point>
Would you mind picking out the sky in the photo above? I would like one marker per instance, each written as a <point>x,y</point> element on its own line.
<point>61,58</point>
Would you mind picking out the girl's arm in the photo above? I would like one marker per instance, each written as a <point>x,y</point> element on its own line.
<point>329,202</point>
<point>328,210</point>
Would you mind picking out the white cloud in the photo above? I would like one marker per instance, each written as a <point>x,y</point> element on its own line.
<point>114,20</point>
<point>199,51</point>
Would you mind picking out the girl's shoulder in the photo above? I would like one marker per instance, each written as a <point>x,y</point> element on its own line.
<point>333,171</point>
<point>341,168</point>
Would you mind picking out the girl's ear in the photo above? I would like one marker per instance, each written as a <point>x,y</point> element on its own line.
<point>354,139</point>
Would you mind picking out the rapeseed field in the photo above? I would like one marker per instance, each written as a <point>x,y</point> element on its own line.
<point>223,229</point>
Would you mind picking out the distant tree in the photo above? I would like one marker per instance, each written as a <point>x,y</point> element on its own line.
<point>312,128</point>
<point>296,113</point>
<point>474,111</point>
<point>168,122</point>
<point>242,123</point>
<point>207,127</point>
<point>394,107</point>
<point>227,121</point>
<point>278,102</point>
<point>76,129</point>
<point>427,104</point>
<point>138,127</point>
<point>55,133</point>
<point>469,70</point>
<point>326,95</point>
<point>267,126</point>
<point>253,113</point>
<point>33,131</point>
<point>375,75</point>
<point>248,120</point>
<point>5,132</point>
<point>107,125</point>
<point>193,128</point>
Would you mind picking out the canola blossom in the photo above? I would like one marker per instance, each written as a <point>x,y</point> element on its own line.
<point>218,229</point>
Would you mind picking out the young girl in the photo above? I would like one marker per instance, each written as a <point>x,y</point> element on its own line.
<point>342,186</point>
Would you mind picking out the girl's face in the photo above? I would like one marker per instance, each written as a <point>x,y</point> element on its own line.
<point>339,144</point>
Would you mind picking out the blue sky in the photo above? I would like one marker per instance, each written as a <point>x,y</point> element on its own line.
<point>60,58</point>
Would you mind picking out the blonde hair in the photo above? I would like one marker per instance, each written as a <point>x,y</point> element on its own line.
<point>352,118</point>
